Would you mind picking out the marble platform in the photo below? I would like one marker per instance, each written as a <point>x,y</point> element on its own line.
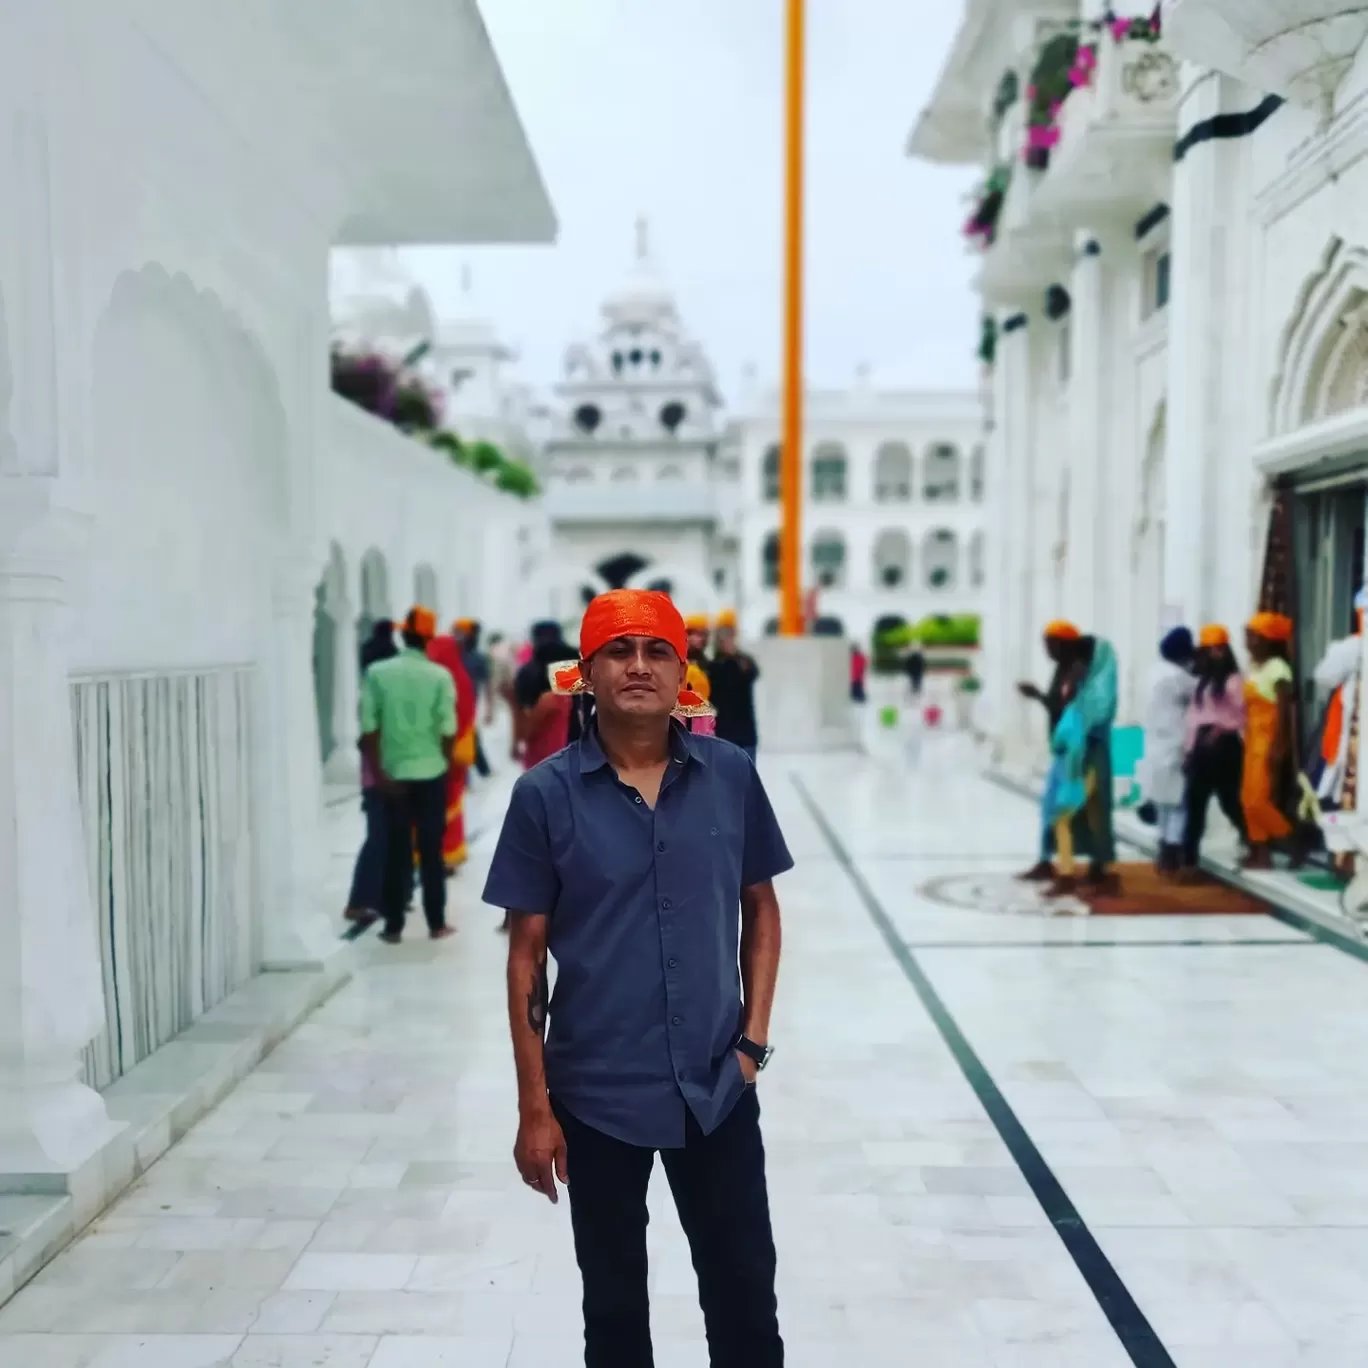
<point>1194,1087</point>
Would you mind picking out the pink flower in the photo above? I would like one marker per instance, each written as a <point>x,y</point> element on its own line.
<point>1120,29</point>
<point>1030,92</point>
<point>1042,136</point>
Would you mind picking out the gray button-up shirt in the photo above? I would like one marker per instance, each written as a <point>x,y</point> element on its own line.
<point>644,911</point>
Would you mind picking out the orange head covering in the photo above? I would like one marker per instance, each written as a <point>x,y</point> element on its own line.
<point>1213,635</point>
<point>1271,626</point>
<point>462,626</point>
<point>624,613</point>
<point>1060,630</point>
<point>421,622</point>
<point>726,620</point>
<point>697,622</point>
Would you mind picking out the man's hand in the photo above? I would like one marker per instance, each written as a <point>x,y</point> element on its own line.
<point>388,786</point>
<point>539,1151</point>
<point>1028,690</point>
<point>750,1070</point>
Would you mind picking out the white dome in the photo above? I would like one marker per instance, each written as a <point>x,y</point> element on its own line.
<point>374,296</point>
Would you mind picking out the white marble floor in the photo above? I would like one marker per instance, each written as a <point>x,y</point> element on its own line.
<point>1197,1086</point>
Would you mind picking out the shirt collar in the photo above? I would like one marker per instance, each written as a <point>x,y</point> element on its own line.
<point>683,747</point>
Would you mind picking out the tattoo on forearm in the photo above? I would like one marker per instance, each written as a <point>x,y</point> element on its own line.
<point>537,1000</point>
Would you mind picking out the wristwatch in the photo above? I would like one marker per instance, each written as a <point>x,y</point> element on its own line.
<point>759,1055</point>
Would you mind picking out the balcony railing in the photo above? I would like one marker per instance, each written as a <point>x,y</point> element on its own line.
<point>667,501</point>
<point>1116,134</point>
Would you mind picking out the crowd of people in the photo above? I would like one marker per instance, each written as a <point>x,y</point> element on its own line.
<point>421,703</point>
<point>1212,730</point>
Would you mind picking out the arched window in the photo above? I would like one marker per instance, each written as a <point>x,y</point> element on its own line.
<point>976,474</point>
<point>829,560</point>
<point>425,587</point>
<point>977,570</point>
<point>670,472</point>
<point>828,627</point>
<point>829,473</point>
<point>892,558</point>
<point>941,559</point>
<point>623,473</point>
<point>578,475</point>
<point>769,475</point>
<point>942,479</point>
<point>772,627</point>
<point>893,473</point>
<point>769,561</point>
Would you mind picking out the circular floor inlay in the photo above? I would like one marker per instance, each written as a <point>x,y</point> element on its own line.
<point>996,893</point>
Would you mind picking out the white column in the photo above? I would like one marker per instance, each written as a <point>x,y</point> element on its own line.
<point>1199,250</point>
<point>296,931</point>
<point>1086,442</point>
<point>51,982</point>
<point>1009,498</point>
<point>344,763</point>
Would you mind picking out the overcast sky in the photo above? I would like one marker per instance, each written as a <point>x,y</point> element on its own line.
<point>673,109</point>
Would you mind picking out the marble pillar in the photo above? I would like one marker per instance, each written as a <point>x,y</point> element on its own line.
<point>51,983</point>
<point>1087,442</point>
<point>1198,338</point>
<point>1011,533</point>
<point>296,930</point>
<point>344,766</point>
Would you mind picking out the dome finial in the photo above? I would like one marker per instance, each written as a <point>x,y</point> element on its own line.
<point>467,279</point>
<point>643,238</point>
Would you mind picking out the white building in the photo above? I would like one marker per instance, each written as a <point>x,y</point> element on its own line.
<point>893,513</point>
<point>629,468</point>
<point>185,507</point>
<point>1179,285</point>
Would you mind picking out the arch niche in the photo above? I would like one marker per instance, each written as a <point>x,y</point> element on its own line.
<point>1147,558</point>
<point>425,589</point>
<point>331,652</point>
<point>9,456</point>
<point>375,594</point>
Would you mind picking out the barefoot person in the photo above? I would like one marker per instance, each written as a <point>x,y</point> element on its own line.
<point>639,858</point>
<point>1268,735</point>
<point>408,730</point>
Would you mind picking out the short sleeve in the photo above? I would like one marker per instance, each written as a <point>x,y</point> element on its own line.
<point>446,705</point>
<point>765,855</point>
<point>522,877</point>
<point>370,704</point>
<point>1281,671</point>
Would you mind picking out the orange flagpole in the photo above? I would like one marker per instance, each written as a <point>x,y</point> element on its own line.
<point>791,464</point>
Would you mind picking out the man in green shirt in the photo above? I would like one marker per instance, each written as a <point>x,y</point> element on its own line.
<point>408,728</point>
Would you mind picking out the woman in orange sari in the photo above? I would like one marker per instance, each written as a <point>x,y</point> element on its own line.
<point>446,652</point>
<point>1268,735</point>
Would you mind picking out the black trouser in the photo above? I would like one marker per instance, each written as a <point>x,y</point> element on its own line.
<point>368,879</point>
<point>415,807</point>
<point>718,1182</point>
<point>481,761</point>
<point>1214,768</point>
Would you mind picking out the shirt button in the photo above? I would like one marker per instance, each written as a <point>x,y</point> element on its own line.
<point>660,845</point>
<point>665,903</point>
<point>674,1021</point>
<point>638,797</point>
<point>673,963</point>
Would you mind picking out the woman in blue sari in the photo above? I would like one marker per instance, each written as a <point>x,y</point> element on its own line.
<point>1086,675</point>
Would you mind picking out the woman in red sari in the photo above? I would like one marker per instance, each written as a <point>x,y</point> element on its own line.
<point>446,652</point>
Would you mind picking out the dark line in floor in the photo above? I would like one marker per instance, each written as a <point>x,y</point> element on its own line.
<point>1174,944</point>
<point>1136,1334</point>
<point>1337,939</point>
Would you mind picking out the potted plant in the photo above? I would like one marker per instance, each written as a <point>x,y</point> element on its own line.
<point>969,688</point>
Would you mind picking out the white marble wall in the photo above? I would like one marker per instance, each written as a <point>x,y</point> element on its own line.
<point>164,773</point>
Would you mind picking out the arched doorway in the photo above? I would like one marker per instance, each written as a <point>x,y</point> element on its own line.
<point>375,593</point>
<point>617,570</point>
<point>425,589</point>
<point>332,613</point>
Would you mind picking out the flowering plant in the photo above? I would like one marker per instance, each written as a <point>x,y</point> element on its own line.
<point>981,225</point>
<point>1051,84</point>
<point>1084,67</point>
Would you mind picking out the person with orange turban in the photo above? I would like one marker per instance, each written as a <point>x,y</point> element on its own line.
<point>446,651</point>
<point>1269,746</point>
<point>733,675</point>
<point>408,732</point>
<point>697,632</point>
<point>1073,656</point>
<point>642,858</point>
<point>1337,679</point>
<point>1213,745</point>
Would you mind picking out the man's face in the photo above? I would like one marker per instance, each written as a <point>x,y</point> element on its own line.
<point>698,638</point>
<point>636,677</point>
<point>1054,648</point>
<point>726,641</point>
